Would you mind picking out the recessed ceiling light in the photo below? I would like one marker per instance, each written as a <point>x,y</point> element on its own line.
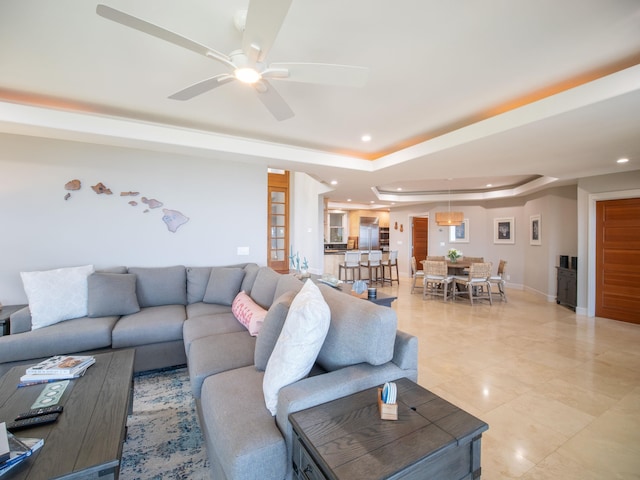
<point>489,185</point>
<point>366,137</point>
<point>393,203</point>
<point>399,189</point>
<point>372,201</point>
<point>622,160</point>
<point>334,182</point>
<point>348,199</point>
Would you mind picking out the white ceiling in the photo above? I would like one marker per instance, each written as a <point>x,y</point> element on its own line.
<point>498,91</point>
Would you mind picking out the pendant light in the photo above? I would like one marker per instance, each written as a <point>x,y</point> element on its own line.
<point>449,218</point>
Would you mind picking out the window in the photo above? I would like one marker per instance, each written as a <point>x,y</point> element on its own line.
<point>337,228</point>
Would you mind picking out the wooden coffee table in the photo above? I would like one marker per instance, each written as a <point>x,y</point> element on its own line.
<point>346,439</point>
<point>86,440</point>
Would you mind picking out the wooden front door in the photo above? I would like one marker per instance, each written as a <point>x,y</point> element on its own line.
<point>618,259</point>
<point>420,239</point>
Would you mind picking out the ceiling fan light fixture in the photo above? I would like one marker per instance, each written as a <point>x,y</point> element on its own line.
<point>247,75</point>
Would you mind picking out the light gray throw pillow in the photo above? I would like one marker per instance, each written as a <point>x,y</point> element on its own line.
<point>112,294</point>
<point>224,285</point>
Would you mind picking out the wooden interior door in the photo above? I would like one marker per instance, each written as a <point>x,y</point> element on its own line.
<point>618,259</point>
<point>420,239</point>
<point>278,223</point>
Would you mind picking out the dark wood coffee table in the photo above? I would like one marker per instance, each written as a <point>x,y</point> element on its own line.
<point>86,440</point>
<point>346,439</point>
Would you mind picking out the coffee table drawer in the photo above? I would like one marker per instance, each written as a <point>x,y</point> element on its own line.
<point>304,468</point>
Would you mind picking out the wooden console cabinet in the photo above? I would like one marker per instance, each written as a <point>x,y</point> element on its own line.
<point>347,439</point>
<point>567,287</point>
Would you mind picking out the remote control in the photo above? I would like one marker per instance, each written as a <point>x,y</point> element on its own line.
<point>32,422</point>
<point>38,412</point>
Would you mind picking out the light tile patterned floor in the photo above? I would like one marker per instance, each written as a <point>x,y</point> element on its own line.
<point>560,391</point>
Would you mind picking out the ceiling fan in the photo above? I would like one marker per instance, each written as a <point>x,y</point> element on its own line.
<point>247,65</point>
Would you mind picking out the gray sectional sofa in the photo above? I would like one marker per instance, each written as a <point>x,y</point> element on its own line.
<point>185,316</point>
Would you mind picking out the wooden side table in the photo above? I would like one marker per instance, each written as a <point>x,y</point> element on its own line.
<point>5,313</point>
<point>346,439</point>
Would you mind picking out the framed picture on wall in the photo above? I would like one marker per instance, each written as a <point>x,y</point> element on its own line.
<point>459,233</point>
<point>504,230</point>
<point>534,230</point>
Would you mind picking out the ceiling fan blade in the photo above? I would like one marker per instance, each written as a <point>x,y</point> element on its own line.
<point>161,33</point>
<point>264,19</point>
<point>202,87</point>
<point>273,101</point>
<point>323,73</point>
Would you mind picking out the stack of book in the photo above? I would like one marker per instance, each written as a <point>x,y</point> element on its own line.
<point>60,367</point>
<point>15,450</point>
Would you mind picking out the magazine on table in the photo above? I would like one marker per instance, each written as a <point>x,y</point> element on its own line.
<point>36,379</point>
<point>62,365</point>
<point>21,448</point>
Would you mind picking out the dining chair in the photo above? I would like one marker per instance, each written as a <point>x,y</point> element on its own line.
<point>476,284</point>
<point>499,280</point>
<point>351,264</point>
<point>436,280</point>
<point>390,264</point>
<point>373,266</point>
<point>471,260</point>
<point>416,274</point>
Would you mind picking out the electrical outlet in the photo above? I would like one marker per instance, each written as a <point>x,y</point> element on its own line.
<point>442,244</point>
<point>508,277</point>
<point>243,250</point>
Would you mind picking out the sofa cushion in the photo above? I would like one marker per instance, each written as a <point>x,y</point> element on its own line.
<point>111,294</point>
<point>200,309</point>
<point>207,325</point>
<point>149,325</point>
<point>287,283</point>
<point>71,336</point>
<point>252,446</point>
<point>271,328</point>
<point>224,285</point>
<point>264,287</point>
<point>218,353</point>
<point>197,280</point>
<point>360,331</point>
<point>299,342</point>
<point>56,295</point>
<point>248,313</point>
<point>250,273</point>
<point>157,286</point>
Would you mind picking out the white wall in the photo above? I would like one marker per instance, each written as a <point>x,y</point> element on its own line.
<point>226,204</point>
<point>307,222</point>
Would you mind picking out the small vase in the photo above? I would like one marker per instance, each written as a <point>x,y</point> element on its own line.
<point>453,259</point>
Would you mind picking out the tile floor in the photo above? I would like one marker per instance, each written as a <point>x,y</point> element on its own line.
<point>560,391</point>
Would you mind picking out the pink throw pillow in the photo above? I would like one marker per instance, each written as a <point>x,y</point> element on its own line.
<point>248,313</point>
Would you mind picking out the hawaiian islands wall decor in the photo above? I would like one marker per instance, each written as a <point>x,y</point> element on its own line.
<point>173,219</point>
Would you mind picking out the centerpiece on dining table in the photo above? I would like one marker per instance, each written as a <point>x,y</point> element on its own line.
<point>454,255</point>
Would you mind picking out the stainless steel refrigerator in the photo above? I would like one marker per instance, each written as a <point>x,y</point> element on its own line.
<point>369,234</point>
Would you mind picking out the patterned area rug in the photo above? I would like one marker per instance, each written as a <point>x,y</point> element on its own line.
<point>164,440</point>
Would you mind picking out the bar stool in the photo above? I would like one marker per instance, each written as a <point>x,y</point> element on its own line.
<point>351,264</point>
<point>389,264</point>
<point>374,265</point>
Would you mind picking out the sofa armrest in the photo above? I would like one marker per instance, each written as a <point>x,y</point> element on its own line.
<point>405,352</point>
<point>20,321</point>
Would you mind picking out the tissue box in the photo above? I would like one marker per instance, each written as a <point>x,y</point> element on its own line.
<point>388,411</point>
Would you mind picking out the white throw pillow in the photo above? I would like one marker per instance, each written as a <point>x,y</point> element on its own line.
<point>299,343</point>
<point>56,295</point>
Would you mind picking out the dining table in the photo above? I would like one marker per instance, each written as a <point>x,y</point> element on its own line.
<point>458,267</point>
